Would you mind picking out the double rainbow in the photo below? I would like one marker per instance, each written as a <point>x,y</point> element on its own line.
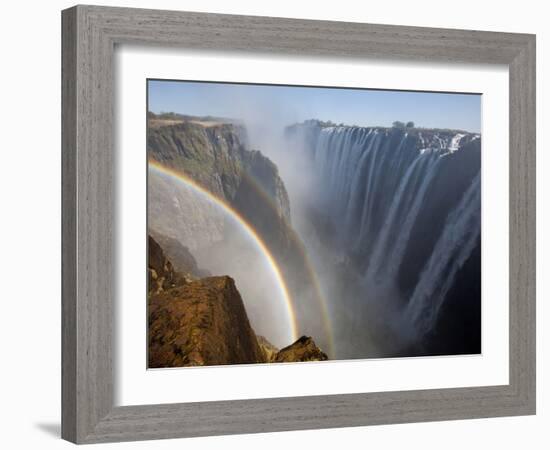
<point>180,177</point>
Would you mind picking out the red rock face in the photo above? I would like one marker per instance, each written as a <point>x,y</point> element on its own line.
<point>304,349</point>
<point>201,323</point>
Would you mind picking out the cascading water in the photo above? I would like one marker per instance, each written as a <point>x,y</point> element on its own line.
<point>454,246</point>
<point>394,235</point>
<point>404,207</point>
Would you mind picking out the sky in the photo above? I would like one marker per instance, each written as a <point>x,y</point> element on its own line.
<point>286,105</point>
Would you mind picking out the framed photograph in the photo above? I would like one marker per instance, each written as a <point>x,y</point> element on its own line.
<point>277,224</point>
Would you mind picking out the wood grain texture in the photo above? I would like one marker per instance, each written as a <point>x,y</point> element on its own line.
<point>89,36</point>
<point>523,224</point>
<point>68,226</point>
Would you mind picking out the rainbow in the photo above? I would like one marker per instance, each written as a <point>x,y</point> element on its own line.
<point>182,178</point>
<point>298,244</point>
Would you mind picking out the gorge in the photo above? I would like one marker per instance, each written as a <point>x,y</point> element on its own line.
<point>375,232</point>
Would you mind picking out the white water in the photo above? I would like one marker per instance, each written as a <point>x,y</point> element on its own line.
<point>373,185</point>
<point>456,243</point>
<point>391,244</point>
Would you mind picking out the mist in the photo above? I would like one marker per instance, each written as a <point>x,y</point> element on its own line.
<point>380,215</point>
<point>359,324</point>
<point>361,270</point>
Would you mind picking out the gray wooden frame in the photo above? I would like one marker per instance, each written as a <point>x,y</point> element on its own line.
<point>90,34</point>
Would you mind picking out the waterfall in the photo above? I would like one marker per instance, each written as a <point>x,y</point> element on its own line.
<point>405,207</point>
<point>388,252</point>
<point>454,246</point>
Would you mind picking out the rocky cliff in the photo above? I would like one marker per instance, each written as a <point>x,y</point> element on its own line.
<point>217,156</point>
<point>201,323</point>
<point>304,349</point>
<point>204,322</point>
